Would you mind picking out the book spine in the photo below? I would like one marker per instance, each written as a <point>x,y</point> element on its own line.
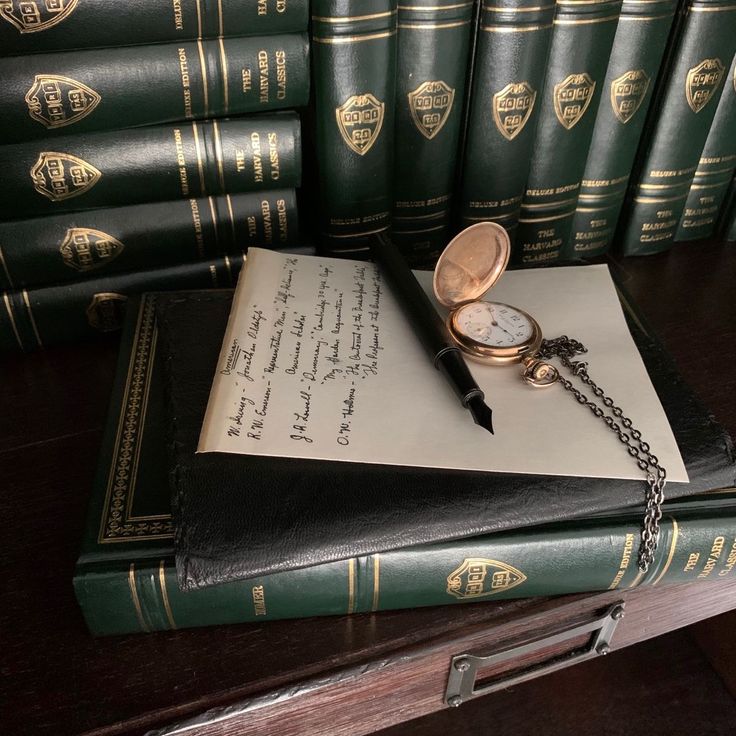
<point>633,69</point>
<point>39,26</point>
<point>116,168</point>
<point>74,246</point>
<point>678,128</point>
<point>581,45</point>
<point>727,219</point>
<point>433,44</point>
<point>36,318</point>
<point>48,95</point>
<point>354,58</point>
<point>510,60</point>
<point>715,169</point>
<point>572,558</point>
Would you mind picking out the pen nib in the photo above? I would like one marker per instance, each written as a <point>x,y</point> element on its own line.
<point>481,412</point>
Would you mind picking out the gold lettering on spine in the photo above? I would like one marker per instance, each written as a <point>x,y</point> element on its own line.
<point>178,16</point>
<point>258,594</point>
<point>351,585</point>
<point>280,74</point>
<point>136,601</point>
<point>625,561</point>
<point>376,581</point>
<point>205,86</point>
<point>181,162</point>
<point>185,82</point>
<point>27,302</point>
<point>11,315</point>
<point>197,222</point>
<point>267,221</point>
<point>31,16</point>
<point>263,79</point>
<point>283,220</point>
<point>273,156</point>
<point>730,561</point>
<point>716,551</point>
<point>673,546</point>
<point>255,145</point>
<point>223,62</point>
<point>219,156</point>
<point>165,595</point>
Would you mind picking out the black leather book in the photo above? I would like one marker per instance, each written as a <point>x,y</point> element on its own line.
<point>239,516</point>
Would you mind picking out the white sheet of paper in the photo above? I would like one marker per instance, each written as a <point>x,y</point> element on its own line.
<point>318,361</point>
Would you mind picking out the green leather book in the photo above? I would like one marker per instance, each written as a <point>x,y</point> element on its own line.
<point>678,127</point>
<point>36,318</point>
<point>125,580</point>
<point>633,69</point>
<point>50,95</point>
<point>578,57</point>
<point>433,46</point>
<point>506,96</point>
<point>38,26</point>
<point>183,160</point>
<point>354,60</point>
<point>87,245</point>
<point>727,220</point>
<point>715,169</point>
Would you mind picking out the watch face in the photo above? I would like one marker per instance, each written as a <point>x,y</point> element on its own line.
<point>494,325</point>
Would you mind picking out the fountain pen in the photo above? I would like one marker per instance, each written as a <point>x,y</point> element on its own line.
<point>430,328</point>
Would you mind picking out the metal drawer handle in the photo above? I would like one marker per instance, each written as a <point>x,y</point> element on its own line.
<point>464,667</point>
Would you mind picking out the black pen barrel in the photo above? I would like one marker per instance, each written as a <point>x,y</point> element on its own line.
<point>421,313</point>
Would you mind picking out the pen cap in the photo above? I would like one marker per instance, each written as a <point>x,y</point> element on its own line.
<point>471,264</point>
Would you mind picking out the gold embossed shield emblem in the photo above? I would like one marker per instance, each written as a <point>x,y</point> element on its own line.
<point>60,176</point>
<point>702,82</point>
<point>106,311</point>
<point>627,93</point>
<point>572,97</point>
<point>430,104</point>
<point>478,577</point>
<point>360,119</point>
<point>29,16</point>
<point>512,108</point>
<point>56,101</point>
<point>85,249</point>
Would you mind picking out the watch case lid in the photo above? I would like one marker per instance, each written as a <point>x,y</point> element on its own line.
<point>471,264</point>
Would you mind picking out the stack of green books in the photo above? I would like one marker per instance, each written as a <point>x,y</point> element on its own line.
<point>132,158</point>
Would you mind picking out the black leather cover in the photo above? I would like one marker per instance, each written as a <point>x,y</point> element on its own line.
<point>241,516</point>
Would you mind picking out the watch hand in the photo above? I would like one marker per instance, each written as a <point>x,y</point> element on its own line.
<point>495,324</point>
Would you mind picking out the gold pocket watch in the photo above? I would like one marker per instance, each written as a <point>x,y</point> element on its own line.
<point>490,332</point>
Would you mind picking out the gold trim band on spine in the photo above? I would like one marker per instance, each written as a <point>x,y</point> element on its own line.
<point>9,308</point>
<point>664,186</point>
<point>205,85</point>
<point>543,219</point>
<point>645,17</point>
<point>435,7</point>
<point>200,165</point>
<point>563,22</point>
<point>5,268</point>
<point>376,581</point>
<point>555,202</point>
<point>136,601</point>
<point>223,63</point>
<point>673,545</point>
<point>165,594</point>
<point>710,186</point>
<point>215,226</point>
<point>232,217</point>
<point>712,10</point>
<point>219,18</point>
<point>351,585</point>
<point>636,580</point>
<point>354,39</point>
<point>357,235</point>
<point>710,173</point>
<point>514,29</point>
<point>431,26</point>
<point>219,156</point>
<point>656,200</point>
<point>493,218</point>
<point>498,9</point>
<point>422,230</point>
<point>597,209</point>
<point>27,302</point>
<point>350,18</point>
<point>199,21</point>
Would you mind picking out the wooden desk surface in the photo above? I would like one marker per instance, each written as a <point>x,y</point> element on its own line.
<point>341,675</point>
